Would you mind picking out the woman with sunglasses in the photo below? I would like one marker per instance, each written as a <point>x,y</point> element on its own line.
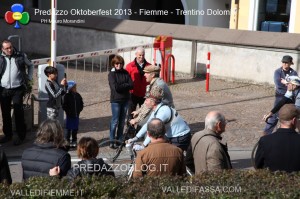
<point>120,83</point>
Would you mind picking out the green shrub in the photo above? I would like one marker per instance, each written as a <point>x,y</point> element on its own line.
<point>222,184</point>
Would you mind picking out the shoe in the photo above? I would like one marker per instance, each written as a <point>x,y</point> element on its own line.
<point>112,146</point>
<point>73,144</point>
<point>5,139</point>
<point>18,141</point>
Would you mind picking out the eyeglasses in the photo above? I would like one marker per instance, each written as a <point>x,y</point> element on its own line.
<point>225,122</point>
<point>117,63</point>
<point>284,62</point>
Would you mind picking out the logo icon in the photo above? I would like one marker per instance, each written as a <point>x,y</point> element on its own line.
<point>17,15</point>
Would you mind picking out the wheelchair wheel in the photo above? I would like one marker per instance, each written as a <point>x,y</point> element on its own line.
<point>119,159</point>
<point>253,155</point>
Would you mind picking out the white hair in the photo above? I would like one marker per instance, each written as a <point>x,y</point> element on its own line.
<point>139,49</point>
<point>212,119</point>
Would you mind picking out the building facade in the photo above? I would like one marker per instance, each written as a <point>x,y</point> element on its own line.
<point>256,15</point>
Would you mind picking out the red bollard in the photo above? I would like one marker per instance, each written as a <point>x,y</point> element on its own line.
<point>207,71</point>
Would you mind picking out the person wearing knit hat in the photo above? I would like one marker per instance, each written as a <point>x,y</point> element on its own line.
<point>72,105</point>
<point>71,84</point>
<point>177,130</point>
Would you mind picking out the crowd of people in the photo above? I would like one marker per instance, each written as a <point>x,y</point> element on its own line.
<point>138,95</point>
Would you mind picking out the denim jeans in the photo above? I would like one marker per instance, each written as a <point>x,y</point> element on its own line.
<point>119,111</point>
<point>273,120</point>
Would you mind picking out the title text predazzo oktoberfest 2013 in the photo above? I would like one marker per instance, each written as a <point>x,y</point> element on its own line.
<point>120,12</point>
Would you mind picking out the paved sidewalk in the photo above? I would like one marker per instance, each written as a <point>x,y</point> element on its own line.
<point>243,105</point>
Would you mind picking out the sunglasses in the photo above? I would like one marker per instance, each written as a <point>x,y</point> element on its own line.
<point>117,63</point>
<point>284,62</point>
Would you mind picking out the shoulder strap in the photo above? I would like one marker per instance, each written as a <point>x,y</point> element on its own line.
<point>200,139</point>
<point>295,95</point>
<point>170,110</point>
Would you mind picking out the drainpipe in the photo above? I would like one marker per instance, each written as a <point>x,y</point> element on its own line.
<point>235,14</point>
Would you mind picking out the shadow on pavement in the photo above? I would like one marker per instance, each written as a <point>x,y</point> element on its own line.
<point>242,164</point>
<point>195,127</point>
<point>94,124</point>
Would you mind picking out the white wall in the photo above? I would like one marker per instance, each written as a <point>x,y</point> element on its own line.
<point>215,18</point>
<point>241,63</point>
<point>230,62</point>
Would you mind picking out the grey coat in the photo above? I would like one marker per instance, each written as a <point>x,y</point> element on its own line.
<point>210,153</point>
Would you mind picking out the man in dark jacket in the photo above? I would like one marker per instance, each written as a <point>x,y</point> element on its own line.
<point>13,79</point>
<point>281,149</point>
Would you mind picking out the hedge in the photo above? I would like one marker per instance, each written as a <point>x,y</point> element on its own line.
<point>222,184</point>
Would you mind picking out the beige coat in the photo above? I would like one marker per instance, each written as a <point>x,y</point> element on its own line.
<point>209,153</point>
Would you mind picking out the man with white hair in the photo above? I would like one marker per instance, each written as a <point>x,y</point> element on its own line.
<point>206,149</point>
<point>280,151</point>
<point>136,72</point>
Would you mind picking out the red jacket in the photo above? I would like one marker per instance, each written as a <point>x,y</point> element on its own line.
<point>139,80</point>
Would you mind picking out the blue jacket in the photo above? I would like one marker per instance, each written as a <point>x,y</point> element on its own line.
<point>280,74</point>
<point>175,124</point>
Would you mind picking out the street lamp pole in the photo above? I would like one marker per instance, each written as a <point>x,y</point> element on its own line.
<point>53,33</point>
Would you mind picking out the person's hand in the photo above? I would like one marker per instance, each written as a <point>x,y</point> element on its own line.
<point>134,114</point>
<point>138,147</point>
<point>132,122</point>
<point>63,82</point>
<point>290,87</point>
<point>283,81</point>
<point>132,140</point>
<point>54,171</point>
<point>266,116</point>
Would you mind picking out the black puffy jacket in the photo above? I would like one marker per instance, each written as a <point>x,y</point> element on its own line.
<point>120,83</point>
<point>39,159</point>
<point>90,167</point>
<point>72,104</point>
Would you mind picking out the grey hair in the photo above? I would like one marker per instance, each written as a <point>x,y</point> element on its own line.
<point>212,119</point>
<point>50,131</point>
<point>139,49</point>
